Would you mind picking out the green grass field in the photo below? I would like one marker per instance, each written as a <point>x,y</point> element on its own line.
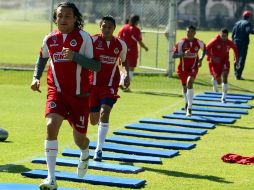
<point>198,169</point>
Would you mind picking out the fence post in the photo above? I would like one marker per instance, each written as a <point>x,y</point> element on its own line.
<point>172,35</point>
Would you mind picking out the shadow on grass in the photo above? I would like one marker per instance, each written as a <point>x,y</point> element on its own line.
<point>188,175</point>
<point>6,142</point>
<point>238,127</point>
<point>158,93</point>
<point>13,168</point>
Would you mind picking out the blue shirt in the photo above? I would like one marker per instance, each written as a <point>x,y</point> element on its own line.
<point>241,31</point>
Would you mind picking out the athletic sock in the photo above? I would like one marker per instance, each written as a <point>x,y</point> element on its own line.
<point>215,85</point>
<point>224,90</point>
<point>102,133</point>
<point>84,154</point>
<point>51,149</point>
<point>190,93</point>
<point>130,75</point>
<point>122,78</point>
<point>185,97</point>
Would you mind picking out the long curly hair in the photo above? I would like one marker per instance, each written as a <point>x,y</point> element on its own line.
<point>79,22</point>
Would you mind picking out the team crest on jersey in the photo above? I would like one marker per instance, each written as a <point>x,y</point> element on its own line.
<point>52,105</point>
<point>73,43</point>
<point>218,46</point>
<point>196,48</point>
<point>54,39</point>
<point>116,50</point>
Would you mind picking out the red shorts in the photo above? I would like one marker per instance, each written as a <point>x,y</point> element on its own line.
<point>132,58</point>
<point>102,95</point>
<point>74,109</point>
<point>217,69</point>
<point>183,75</point>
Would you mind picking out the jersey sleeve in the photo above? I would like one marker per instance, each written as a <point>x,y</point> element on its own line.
<point>124,51</point>
<point>87,46</point>
<point>44,52</point>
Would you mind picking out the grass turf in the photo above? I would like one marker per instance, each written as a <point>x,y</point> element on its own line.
<point>201,168</point>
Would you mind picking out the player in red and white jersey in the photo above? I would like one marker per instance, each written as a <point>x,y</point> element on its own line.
<point>218,58</point>
<point>105,83</point>
<point>132,36</point>
<point>187,51</point>
<point>68,84</point>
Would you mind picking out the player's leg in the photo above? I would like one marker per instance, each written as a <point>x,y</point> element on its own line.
<point>183,76</point>
<point>102,130</point>
<point>224,85</point>
<point>94,105</point>
<point>78,119</point>
<point>190,94</point>
<point>213,80</point>
<point>54,122</point>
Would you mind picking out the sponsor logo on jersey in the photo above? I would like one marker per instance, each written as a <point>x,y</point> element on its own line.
<point>99,46</point>
<point>73,43</point>
<point>196,48</point>
<point>218,46</point>
<point>59,57</point>
<point>116,50</point>
<point>52,105</point>
<point>107,59</point>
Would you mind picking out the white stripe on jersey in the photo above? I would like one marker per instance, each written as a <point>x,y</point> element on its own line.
<point>55,78</point>
<point>112,75</point>
<point>124,50</point>
<point>134,38</point>
<point>94,77</point>
<point>180,50</point>
<point>78,79</point>
<point>201,45</point>
<point>44,47</point>
<point>87,45</point>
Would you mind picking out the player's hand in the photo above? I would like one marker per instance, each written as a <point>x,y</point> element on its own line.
<point>35,85</point>
<point>237,65</point>
<point>127,81</point>
<point>146,48</point>
<point>199,62</point>
<point>67,54</point>
<point>187,53</point>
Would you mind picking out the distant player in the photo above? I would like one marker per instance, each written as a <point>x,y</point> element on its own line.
<point>108,49</point>
<point>187,51</point>
<point>240,35</point>
<point>217,51</point>
<point>131,34</point>
<point>68,85</point>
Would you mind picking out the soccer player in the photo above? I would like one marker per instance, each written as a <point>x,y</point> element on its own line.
<point>240,35</point>
<point>217,51</point>
<point>131,34</point>
<point>105,83</point>
<point>187,51</point>
<point>68,85</point>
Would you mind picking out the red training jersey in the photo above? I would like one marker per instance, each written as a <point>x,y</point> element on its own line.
<point>131,35</point>
<point>190,62</point>
<point>218,48</point>
<point>66,76</point>
<point>108,53</point>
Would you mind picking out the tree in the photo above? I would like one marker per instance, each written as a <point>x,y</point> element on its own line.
<point>202,13</point>
<point>240,6</point>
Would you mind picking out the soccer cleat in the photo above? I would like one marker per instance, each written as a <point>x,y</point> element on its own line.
<point>188,112</point>
<point>98,156</point>
<point>122,87</point>
<point>48,184</point>
<point>223,100</point>
<point>127,89</point>
<point>82,167</point>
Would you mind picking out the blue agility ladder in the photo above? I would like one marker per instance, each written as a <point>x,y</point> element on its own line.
<point>89,178</point>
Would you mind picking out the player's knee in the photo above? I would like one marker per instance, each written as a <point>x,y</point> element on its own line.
<point>105,111</point>
<point>94,121</point>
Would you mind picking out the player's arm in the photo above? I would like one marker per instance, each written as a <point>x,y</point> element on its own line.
<point>125,64</point>
<point>236,55</point>
<point>203,48</point>
<point>249,29</point>
<point>40,66</point>
<point>141,43</point>
<point>87,63</point>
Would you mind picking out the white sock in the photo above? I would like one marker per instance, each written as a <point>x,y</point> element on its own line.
<point>102,133</point>
<point>215,85</point>
<point>84,154</point>
<point>224,90</point>
<point>190,93</point>
<point>130,75</point>
<point>51,149</point>
<point>122,77</point>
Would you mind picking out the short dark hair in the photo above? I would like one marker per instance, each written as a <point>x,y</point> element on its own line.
<point>134,19</point>
<point>192,27</point>
<point>224,30</point>
<point>79,22</point>
<point>108,18</point>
